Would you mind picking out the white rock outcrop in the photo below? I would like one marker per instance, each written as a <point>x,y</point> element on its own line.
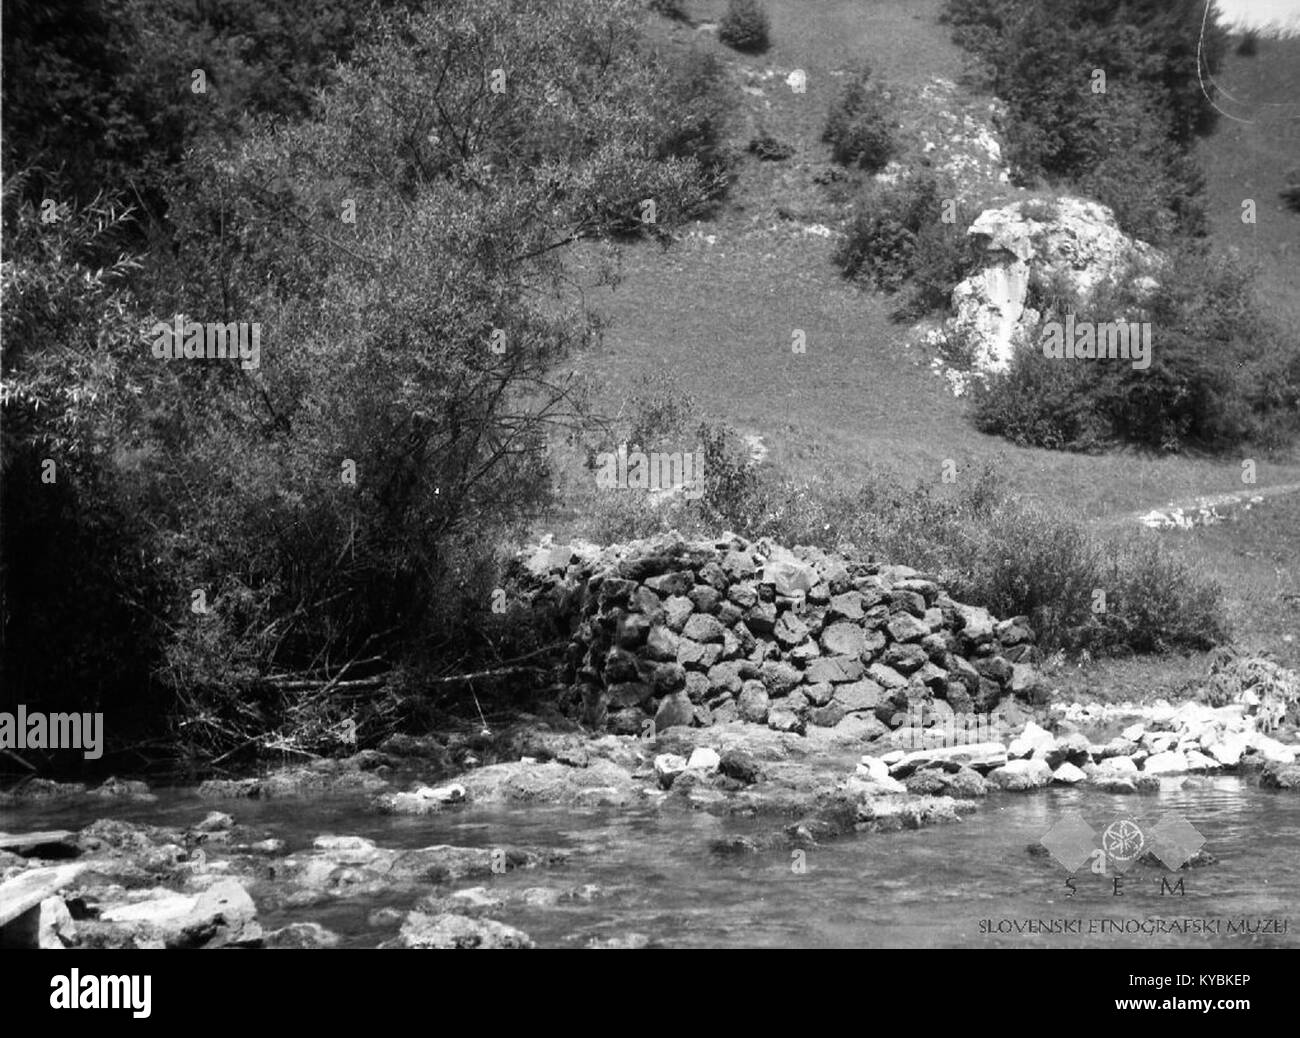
<point>1070,242</point>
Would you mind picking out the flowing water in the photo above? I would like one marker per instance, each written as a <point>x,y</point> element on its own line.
<point>968,884</point>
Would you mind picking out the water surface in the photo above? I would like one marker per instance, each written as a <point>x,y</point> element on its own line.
<point>972,884</point>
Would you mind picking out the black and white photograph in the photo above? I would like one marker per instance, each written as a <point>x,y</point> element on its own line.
<point>650,475</point>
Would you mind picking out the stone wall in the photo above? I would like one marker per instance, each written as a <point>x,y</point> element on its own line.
<point>702,632</point>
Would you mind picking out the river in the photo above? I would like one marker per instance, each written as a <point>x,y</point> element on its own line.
<point>972,884</point>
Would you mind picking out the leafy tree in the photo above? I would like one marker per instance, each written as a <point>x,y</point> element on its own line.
<point>400,251</point>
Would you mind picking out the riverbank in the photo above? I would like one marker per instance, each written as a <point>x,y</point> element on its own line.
<point>537,836</point>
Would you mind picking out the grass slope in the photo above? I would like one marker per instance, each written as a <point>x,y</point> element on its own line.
<point>718,309</point>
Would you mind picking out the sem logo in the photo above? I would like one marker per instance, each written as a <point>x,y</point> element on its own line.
<point>1073,842</point>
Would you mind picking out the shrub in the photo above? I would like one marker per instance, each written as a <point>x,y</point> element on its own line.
<point>898,234</point>
<point>745,26</point>
<point>1133,143</point>
<point>880,243</point>
<point>341,506</point>
<point>1248,45</point>
<point>1220,374</point>
<point>769,149</point>
<point>658,410</point>
<point>692,106</point>
<point>989,547</point>
<point>1040,402</point>
<point>1291,193</point>
<point>83,610</point>
<point>942,256</point>
<point>668,8</point>
<point>731,483</point>
<point>92,88</point>
<point>858,127</point>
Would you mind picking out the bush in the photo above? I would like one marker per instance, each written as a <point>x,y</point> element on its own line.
<point>100,89</point>
<point>942,256</point>
<point>692,106</point>
<point>668,8</point>
<point>769,149</point>
<point>82,614</point>
<point>1133,142</point>
<point>858,127</point>
<point>897,234</point>
<point>1220,374</point>
<point>1248,45</point>
<point>1291,193</point>
<point>340,506</point>
<point>1040,402</point>
<point>745,26</point>
<point>988,546</point>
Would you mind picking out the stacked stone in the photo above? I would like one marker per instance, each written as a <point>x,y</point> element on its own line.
<point>708,632</point>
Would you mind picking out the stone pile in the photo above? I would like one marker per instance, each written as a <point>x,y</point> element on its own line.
<point>704,632</point>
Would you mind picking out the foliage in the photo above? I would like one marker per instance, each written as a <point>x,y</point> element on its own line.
<point>101,92</point>
<point>692,105</point>
<point>668,8</point>
<point>1291,193</point>
<point>1221,374</point>
<point>78,612</point>
<point>745,26</point>
<point>399,250</point>
<point>1129,145</point>
<point>858,126</point>
<point>991,548</point>
<point>898,235</point>
<point>769,149</point>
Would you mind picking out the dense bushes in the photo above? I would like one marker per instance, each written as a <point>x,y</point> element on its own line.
<point>1127,145</point>
<point>101,94</point>
<point>989,546</point>
<point>1121,126</point>
<point>254,541</point>
<point>1220,376</point>
<point>745,26</point>
<point>898,235</point>
<point>693,106</point>
<point>1041,402</point>
<point>858,126</point>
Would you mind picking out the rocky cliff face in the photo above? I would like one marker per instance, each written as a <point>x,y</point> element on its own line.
<point>675,632</point>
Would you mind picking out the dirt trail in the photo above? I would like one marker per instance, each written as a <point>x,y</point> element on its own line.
<point>1200,511</point>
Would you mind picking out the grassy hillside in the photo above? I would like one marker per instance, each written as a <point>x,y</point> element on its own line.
<point>717,310</point>
<point>1256,143</point>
